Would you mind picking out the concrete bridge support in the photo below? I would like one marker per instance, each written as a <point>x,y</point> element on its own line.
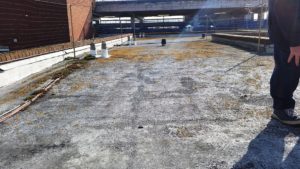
<point>133,28</point>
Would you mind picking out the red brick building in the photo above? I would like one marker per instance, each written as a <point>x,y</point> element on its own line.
<point>81,18</point>
<point>33,23</point>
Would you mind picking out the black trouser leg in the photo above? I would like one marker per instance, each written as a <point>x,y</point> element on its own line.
<point>284,80</point>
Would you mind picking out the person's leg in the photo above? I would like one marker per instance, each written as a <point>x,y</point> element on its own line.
<point>284,80</point>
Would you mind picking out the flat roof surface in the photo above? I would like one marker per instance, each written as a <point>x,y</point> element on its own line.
<point>154,107</point>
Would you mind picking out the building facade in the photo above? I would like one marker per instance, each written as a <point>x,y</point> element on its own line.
<point>34,23</point>
<point>80,19</point>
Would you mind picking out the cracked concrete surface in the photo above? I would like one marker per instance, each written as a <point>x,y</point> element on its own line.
<point>160,113</point>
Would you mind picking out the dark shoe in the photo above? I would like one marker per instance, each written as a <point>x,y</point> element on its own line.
<point>286,116</point>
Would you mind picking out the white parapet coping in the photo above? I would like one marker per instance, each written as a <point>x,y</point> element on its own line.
<point>18,70</point>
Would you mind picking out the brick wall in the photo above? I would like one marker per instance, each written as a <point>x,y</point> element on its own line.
<point>80,18</point>
<point>28,23</point>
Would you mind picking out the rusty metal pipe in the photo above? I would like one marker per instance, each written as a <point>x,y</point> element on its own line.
<point>26,104</point>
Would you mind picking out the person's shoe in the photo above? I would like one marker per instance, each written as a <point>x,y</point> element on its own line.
<point>287,117</point>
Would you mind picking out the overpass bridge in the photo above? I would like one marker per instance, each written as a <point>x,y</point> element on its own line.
<point>196,12</point>
<point>170,7</point>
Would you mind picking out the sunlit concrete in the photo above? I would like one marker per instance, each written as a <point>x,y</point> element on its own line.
<point>153,107</point>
